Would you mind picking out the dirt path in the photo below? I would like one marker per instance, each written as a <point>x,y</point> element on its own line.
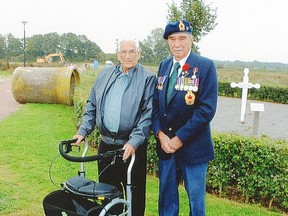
<point>7,101</point>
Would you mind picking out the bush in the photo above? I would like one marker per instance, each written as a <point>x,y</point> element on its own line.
<point>8,66</point>
<point>265,93</point>
<point>257,168</point>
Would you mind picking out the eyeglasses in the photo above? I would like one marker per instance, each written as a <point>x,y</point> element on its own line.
<point>130,52</point>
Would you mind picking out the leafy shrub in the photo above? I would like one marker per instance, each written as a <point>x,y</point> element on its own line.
<point>7,66</point>
<point>256,167</point>
<point>265,93</point>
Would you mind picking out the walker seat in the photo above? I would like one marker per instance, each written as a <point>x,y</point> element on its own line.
<point>91,189</point>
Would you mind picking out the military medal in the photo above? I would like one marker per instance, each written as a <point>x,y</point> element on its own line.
<point>160,82</point>
<point>186,85</point>
<point>196,84</point>
<point>189,98</point>
<point>181,83</point>
<point>177,86</point>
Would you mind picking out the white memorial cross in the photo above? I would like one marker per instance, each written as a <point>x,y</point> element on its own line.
<point>245,85</point>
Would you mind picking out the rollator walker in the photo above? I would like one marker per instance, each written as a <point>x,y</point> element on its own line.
<point>80,196</point>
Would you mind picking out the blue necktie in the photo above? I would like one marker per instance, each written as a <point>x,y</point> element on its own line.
<point>172,80</point>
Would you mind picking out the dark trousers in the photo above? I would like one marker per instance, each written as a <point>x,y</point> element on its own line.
<point>194,176</point>
<point>117,175</point>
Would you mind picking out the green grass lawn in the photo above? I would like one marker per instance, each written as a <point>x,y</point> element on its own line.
<point>29,142</point>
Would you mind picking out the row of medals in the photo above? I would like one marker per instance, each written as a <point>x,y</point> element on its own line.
<point>184,83</point>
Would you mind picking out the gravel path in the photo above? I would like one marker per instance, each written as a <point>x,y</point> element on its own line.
<point>7,101</point>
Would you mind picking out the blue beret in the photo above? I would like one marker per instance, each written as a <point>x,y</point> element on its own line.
<point>179,26</point>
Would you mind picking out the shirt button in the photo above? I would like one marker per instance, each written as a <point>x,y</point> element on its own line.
<point>170,129</point>
<point>164,114</point>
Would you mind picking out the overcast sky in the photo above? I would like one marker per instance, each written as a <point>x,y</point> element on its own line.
<point>247,30</point>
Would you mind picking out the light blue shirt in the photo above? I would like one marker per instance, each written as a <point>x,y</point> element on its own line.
<point>113,103</point>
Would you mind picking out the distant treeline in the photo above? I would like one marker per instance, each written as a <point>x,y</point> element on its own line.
<point>255,65</point>
<point>75,48</point>
<point>78,48</point>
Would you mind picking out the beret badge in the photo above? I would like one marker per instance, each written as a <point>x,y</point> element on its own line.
<point>181,26</point>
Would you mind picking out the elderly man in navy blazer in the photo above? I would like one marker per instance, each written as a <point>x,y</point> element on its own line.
<point>184,104</point>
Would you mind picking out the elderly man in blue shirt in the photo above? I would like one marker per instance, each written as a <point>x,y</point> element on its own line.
<point>120,106</point>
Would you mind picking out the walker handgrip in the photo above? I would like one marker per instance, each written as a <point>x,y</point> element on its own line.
<point>69,141</point>
<point>67,144</point>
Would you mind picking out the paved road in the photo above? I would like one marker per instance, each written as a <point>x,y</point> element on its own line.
<point>7,101</point>
<point>273,121</point>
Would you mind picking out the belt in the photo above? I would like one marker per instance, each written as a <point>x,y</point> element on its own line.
<point>113,139</point>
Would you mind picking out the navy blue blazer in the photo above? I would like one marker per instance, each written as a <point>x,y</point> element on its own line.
<point>191,123</point>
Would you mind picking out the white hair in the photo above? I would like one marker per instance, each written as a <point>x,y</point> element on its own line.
<point>134,41</point>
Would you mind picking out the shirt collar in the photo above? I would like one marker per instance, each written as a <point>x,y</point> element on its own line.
<point>182,61</point>
<point>129,73</point>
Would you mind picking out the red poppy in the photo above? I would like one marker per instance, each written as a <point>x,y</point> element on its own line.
<point>186,67</point>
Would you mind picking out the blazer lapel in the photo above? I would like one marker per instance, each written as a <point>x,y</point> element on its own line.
<point>191,61</point>
<point>162,95</point>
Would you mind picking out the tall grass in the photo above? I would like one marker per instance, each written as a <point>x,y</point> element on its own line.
<point>5,74</point>
<point>263,77</point>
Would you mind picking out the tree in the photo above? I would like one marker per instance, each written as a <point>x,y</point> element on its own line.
<point>202,17</point>
<point>51,43</point>
<point>154,48</point>
<point>14,47</point>
<point>75,48</point>
<point>35,47</point>
<point>2,47</point>
<point>41,45</point>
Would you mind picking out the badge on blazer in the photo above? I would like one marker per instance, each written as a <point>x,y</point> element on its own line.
<point>161,80</point>
<point>189,98</point>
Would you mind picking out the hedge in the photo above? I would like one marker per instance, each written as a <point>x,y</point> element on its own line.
<point>256,169</point>
<point>265,93</point>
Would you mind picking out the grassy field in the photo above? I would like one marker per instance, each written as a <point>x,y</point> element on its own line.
<point>263,77</point>
<point>29,143</point>
<point>5,74</point>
